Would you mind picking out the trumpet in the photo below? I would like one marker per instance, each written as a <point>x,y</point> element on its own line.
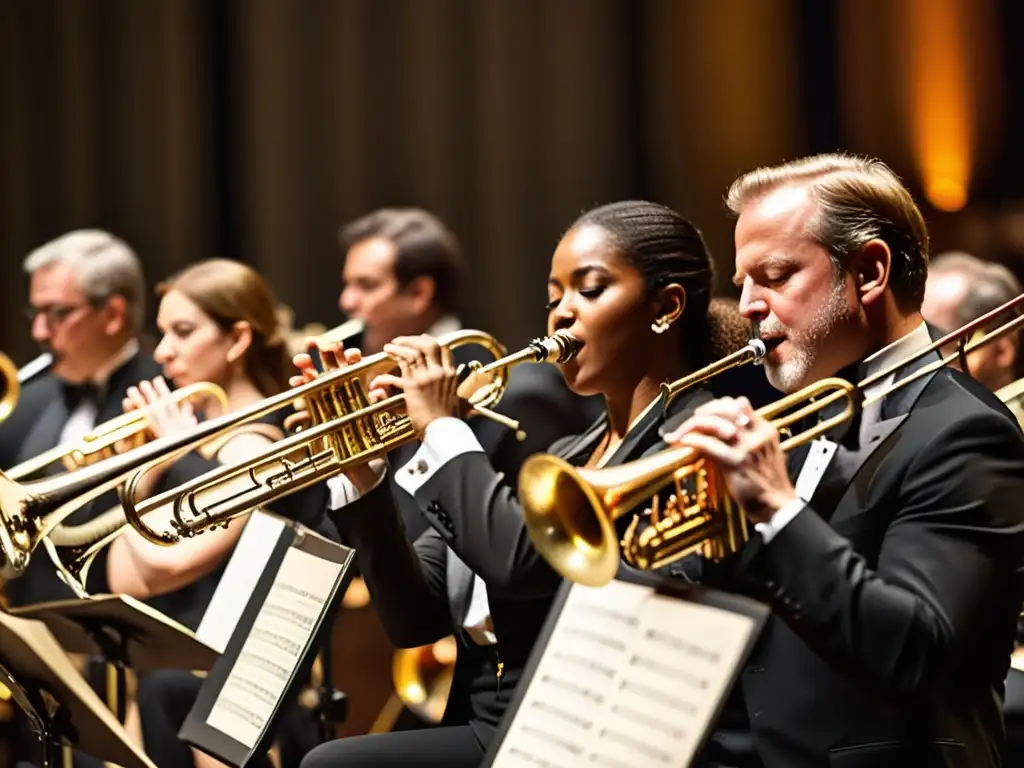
<point>347,431</point>
<point>127,430</point>
<point>570,513</point>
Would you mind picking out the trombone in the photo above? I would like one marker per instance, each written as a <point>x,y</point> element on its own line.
<point>570,512</point>
<point>347,431</point>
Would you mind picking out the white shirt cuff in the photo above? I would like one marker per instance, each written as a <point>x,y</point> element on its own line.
<point>343,491</point>
<point>444,440</point>
<point>780,519</point>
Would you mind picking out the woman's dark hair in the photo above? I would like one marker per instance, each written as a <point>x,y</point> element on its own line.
<point>666,248</point>
<point>229,291</point>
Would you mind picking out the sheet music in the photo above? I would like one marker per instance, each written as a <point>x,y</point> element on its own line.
<point>274,648</point>
<point>628,677</point>
<point>243,571</point>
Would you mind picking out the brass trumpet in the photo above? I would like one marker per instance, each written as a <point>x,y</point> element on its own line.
<point>347,431</point>
<point>570,512</point>
<point>128,429</point>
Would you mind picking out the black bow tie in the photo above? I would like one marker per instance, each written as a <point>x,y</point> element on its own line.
<point>76,394</point>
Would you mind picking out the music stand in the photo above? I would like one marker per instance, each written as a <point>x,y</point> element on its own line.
<point>127,633</point>
<point>58,701</point>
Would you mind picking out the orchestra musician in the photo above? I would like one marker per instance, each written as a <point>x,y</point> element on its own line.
<point>87,307</point>
<point>962,288</point>
<point>219,325</point>
<point>890,568</point>
<point>402,274</point>
<point>631,280</point>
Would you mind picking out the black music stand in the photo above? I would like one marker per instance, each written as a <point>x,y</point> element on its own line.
<point>238,688</point>
<point>59,703</point>
<point>127,633</point>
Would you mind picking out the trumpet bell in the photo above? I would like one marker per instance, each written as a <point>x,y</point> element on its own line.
<point>570,514</point>
<point>423,677</point>
<point>568,519</point>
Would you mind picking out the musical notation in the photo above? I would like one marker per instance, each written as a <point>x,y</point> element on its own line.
<point>275,646</point>
<point>626,674</point>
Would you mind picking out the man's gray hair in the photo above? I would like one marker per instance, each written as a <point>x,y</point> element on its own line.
<point>988,285</point>
<point>104,264</point>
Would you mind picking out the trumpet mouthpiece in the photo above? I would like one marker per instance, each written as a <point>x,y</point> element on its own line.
<point>560,347</point>
<point>762,347</point>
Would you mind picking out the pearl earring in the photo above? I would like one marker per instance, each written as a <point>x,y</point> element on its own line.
<point>660,325</point>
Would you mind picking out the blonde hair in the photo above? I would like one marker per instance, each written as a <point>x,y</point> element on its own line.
<point>230,292</point>
<point>104,265</point>
<point>858,200</point>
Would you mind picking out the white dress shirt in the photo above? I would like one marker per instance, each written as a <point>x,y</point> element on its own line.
<point>811,472</point>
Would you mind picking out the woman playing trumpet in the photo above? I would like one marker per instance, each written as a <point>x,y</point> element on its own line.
<point>631,281</point>
<point>219,325</point>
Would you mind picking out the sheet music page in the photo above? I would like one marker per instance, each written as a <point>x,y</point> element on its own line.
<point>243,571</point>
<point>274,648</point>
<point>628,678</point>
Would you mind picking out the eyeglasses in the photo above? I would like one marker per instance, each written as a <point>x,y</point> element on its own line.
<point>54,314</point>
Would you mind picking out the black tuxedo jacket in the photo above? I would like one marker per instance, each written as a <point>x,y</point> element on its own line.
<point>894,592</point>
<point>35,426</point>
<point>472,511</point>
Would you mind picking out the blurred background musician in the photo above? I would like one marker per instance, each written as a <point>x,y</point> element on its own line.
<point>402,275</point>
<point>892,574</point>
<point>962,288</point>
<point>218,324</point>
<point>86,305</point>
<point>632,281</point>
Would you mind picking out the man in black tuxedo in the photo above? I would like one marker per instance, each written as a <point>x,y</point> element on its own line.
<point>888,551</point>
<point>86,304</point>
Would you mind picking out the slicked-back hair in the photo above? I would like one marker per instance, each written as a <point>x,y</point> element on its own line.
<point>858,200</point>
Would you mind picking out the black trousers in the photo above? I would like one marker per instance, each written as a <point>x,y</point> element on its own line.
<point>454,747</point>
